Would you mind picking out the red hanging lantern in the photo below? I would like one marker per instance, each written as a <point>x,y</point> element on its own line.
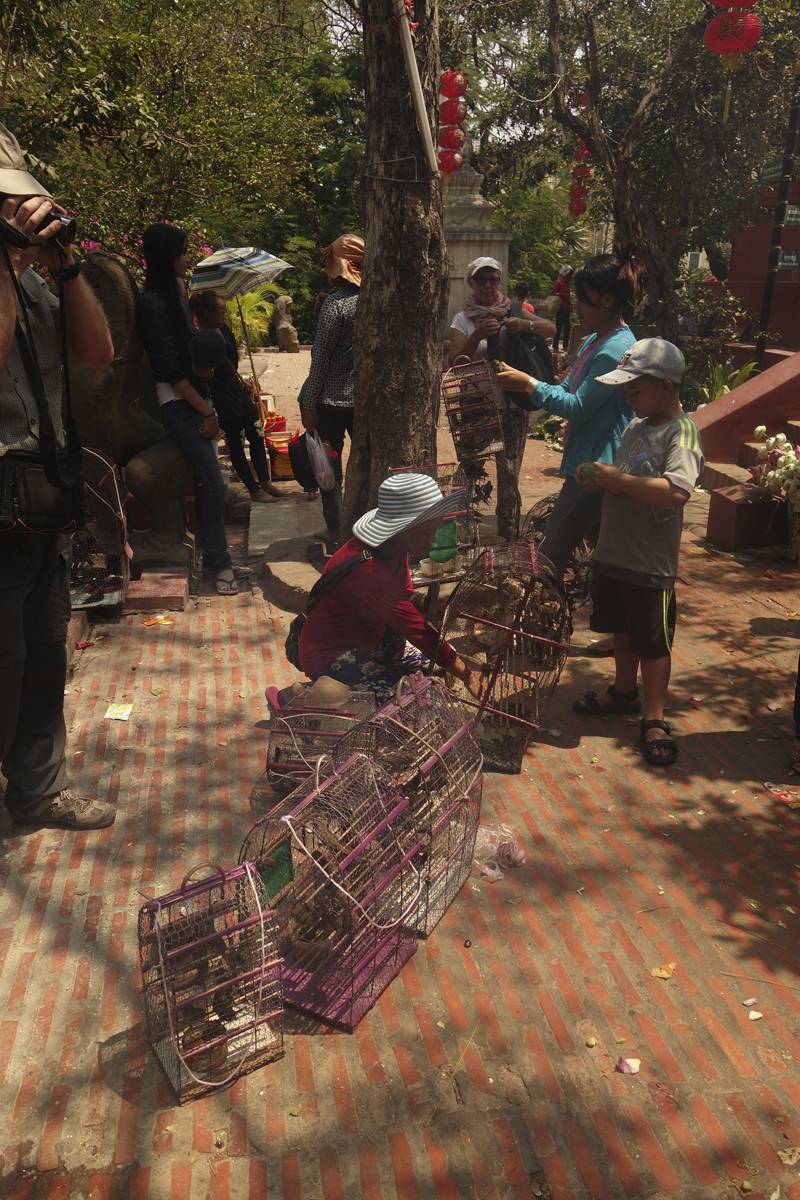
<point>453,112</point>
<point>583,100</point>
<point>577,207</point>
<point>732,33</point>
<point>587,154</point>
<point>581,172</point>
<point>578,191</point>
<point>453,84</point>
<point>578,156</point>
<point>735,3</point>
<point>452,137</point>
<point>450,160</point>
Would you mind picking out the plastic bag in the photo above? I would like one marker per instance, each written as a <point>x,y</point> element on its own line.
<point>321,465</point>
<point>496,847</point>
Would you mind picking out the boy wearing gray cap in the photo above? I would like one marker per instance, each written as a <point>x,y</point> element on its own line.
<point>655,471</point>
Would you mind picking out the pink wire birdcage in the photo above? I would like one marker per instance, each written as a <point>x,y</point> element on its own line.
<point>424,740</point>
<point>472,412</point>
<point>509,620</point>
<point>338,860</point>
<point>211,978</point>
<point>301,732</point>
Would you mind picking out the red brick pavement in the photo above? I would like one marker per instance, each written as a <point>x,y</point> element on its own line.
<point>627,868</point>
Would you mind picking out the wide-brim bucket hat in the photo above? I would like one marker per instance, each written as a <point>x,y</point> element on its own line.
<point>404,500</point>
<point>15,178</point>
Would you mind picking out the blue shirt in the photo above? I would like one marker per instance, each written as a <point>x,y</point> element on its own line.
<point>599,414</point>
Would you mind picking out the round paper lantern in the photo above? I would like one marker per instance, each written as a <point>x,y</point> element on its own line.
<point>581,172</point>
<point>732,33</point>
<point>453,84</point>
<point>578,191</point>
<point>450,160</point>
<point>583,100</point>
<point>452,137</point>
<point>577,207</point>
<point>735,3</point>
<point>453,112</point>
<point>578,156</point>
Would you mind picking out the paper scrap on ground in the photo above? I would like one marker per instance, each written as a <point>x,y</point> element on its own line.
<point>629,1066</point>
<point>773,707</point>
<point>790,799</point>
<point>749,1002</point>
<point>755,1016</point>
<point>118,712</point>
<point>664,971</point>
<point>158,619</point>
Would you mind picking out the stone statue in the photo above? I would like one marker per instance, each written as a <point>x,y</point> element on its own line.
<point>285,330</point>
<point>110,419</point>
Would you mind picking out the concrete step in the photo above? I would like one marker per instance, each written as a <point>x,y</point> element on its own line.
<point>792,431</point>
<point>718,475</point>
<point>748,455</point>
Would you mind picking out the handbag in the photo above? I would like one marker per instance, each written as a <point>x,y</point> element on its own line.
<point>524,352</point>
<point>326,583</point>
<point>43,493</point>
<point>320,462</point>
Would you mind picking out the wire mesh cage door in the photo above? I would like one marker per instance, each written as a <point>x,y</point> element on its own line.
<point>424,740</point>
<point>300,733</point>
<point>338,859</point>
<point>509,620</point>
<point>576,576</point>
<point>211,978</point>
<point>100,569</point>
<point>472,412</point>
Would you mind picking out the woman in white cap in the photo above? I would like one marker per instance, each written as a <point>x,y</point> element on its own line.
<point>485,314</point>
<point>359,632</point>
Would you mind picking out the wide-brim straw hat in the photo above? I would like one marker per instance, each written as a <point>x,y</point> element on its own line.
<point>15,178</point>
<point>405,500</point>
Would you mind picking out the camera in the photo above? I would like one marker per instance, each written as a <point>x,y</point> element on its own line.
<point>66,234</point>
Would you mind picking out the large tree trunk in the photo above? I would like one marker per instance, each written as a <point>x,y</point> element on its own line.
<point>403,302</point>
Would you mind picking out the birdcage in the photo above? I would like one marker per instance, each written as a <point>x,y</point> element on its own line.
<point>100,570</point>
<point>211,977</point>
<point>424,740</point>
<point>302,731</point>
<point>509,620</point>
<point>576,575</point>
<point>338,859</point>
<point>471,408</point>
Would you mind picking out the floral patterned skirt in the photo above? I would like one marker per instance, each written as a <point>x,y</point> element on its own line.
<point>381,669</point>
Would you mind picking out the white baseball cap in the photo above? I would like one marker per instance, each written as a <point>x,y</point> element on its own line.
<point>478,263</point>
<point>655,357</point>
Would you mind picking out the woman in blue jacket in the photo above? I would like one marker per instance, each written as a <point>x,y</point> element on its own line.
<point>597,415</point>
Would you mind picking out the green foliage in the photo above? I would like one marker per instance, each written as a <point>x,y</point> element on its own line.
<point>256,308</point>
<point>545,233</point>
<point>722,378</point>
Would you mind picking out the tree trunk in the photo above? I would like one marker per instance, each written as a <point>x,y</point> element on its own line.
<point>403,302</point>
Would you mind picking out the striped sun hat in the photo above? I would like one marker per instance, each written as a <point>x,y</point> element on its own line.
<point>405,500</point>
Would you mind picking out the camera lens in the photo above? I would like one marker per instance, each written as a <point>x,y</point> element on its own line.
<point>66,234</point>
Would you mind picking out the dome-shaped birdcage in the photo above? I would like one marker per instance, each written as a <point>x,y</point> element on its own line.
<point>100,567</point>
<point>576,576</point>
<point>471,408</point>
<point>338,860</point>
<point>509,620</point>
<point>424,739</point>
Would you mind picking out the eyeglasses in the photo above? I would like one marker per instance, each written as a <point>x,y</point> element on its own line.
<point>482,281</point>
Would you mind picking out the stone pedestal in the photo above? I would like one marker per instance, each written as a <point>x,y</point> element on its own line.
<point>469,235</point>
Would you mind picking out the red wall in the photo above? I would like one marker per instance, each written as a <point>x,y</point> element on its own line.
<point>748,267</point>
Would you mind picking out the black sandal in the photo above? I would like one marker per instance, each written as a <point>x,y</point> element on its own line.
<point>667,743</point>
<point>623,702</point>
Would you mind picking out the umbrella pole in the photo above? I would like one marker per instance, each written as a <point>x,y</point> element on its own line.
<point>249,351</point>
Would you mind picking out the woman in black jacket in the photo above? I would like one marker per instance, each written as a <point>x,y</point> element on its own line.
<point>166,328</point>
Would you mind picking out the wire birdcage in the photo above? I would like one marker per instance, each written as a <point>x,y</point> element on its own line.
<point>424,740</point>
<point>472,412</point>
<point>301,732</point>
<point>461,538</point>
<point>509,620</point>
<point>100,569</point>
<point>576,576</point>
<point>338,859</point>
<point>211,977</point>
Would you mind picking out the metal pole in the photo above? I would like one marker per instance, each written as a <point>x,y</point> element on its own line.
<point>789,150</point>
<point>421,111</point>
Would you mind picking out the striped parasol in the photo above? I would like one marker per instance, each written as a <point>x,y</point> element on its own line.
<point>231,272</point>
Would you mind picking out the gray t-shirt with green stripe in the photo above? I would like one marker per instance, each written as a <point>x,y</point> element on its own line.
<point>640,542</point>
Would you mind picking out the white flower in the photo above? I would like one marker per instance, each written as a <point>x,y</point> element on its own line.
<point>762,454</point>
<point>760,432</point>
<point>780,439</point>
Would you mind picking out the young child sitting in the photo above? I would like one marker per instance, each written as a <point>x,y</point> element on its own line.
<point>634,567</point>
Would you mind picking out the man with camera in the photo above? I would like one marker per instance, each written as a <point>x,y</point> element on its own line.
<point>34,450</point>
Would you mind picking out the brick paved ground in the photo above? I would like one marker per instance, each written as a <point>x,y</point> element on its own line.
<point>628,868</point>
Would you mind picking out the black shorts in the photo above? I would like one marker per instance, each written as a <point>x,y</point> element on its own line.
<point>646,614</point>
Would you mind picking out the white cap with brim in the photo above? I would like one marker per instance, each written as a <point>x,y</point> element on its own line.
<point>655,357</point>
<point>478,263</point>
<point>404,500</point>
<point>15,179</point>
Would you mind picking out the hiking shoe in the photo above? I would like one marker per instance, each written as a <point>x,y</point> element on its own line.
<point>326,535</point>
<point>66,811</point>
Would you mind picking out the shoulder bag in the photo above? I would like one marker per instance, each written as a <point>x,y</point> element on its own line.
<point>326,583</point>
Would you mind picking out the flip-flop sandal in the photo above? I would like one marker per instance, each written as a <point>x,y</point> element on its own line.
<point>667,743</point>
<point>622,702</point>
<point>226,586</point>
